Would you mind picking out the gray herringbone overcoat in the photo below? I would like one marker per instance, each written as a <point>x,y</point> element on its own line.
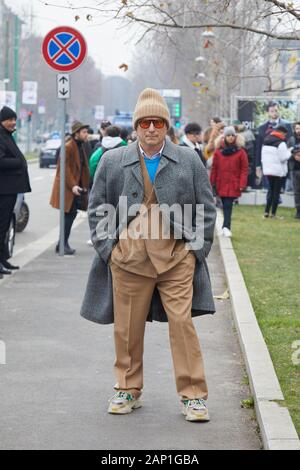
<point>180,179</point>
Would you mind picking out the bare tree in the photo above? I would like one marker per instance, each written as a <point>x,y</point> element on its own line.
<point>241,47</point>
<point>231,63</point>
<point>195,14</point>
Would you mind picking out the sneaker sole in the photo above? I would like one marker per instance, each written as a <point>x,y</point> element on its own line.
<point>115,410</point>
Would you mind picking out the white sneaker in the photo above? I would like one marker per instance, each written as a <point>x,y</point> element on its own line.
<point>89,243</point>
<point>227,233</point>
<point>195,410</point>
<point>123,403</point>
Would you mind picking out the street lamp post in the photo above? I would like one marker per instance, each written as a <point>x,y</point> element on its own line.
<point>222,102</point>
<point>211,35</point>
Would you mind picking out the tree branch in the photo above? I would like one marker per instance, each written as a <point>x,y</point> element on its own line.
<point>292,37</point>
<point>282,90</point>
<point>283,7</point>
<point>171,23</point>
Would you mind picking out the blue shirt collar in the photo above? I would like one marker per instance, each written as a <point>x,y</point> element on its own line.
<point>157,155</point>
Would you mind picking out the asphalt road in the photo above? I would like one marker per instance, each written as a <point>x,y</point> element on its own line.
<point>59,369</point>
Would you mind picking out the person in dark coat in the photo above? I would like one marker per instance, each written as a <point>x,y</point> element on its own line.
<point>14,179</point>
<point>295,138</point>
<point>265,129</point>
<point>295,170</point>
<point>191,139</point>
<point>275,155</point>
<point>229,173</point>
<point>292,143</point>
<point>76,184</point>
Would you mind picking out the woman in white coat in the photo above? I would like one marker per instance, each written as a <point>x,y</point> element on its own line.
<point>275,155</point>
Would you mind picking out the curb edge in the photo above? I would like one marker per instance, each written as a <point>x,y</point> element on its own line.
<point>277,428</point>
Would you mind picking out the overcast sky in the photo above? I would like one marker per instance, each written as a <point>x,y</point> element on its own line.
<point>106,44</point>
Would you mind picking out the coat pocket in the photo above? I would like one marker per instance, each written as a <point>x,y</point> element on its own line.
<point>128,250</point>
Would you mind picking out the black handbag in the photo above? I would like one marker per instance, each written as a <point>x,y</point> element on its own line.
<point>80,202</point>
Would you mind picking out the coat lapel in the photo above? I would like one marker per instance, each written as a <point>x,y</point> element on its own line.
<point>164,162</point>
<point>169,154</point>
<point>137,173</point>
<point>131,157</point>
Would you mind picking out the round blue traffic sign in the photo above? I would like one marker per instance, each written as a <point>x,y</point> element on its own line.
<point>64,49</point>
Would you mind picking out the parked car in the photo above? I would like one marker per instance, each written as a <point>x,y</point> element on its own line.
<point>18,223</point>
<point>49,153</point>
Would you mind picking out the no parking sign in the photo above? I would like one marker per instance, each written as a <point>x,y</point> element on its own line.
<point>64,49</point>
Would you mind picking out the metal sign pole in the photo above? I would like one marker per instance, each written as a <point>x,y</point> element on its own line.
<point>59,56</point>
<point>62,180</point>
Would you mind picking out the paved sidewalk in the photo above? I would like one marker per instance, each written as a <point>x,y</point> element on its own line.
<point>58,377</point>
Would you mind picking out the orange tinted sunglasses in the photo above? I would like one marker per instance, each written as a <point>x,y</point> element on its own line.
<point>157,123</point>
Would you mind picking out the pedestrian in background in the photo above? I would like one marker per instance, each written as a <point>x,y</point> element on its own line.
<point>191,139</point>
<point>295,171</point>
<point>93,140</point>
<point>124,134</point>
<point>214,121</point>
<point>211,134</point>
<point>102,133</point>
<point>295,138</point>
<point>229,173</point>
<point>274,158</point>
<point>103,127</point>
<point>68,137</point>
<point>132,137</point>
<point>112,140</point>
<point>266,129</point>
<point>14,179</point>
<point>292,142</point>
<point>76,183</point>
<point>172,136</point>
<point>249,139</point>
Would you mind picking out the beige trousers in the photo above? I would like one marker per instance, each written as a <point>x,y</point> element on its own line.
<point>132,298</point>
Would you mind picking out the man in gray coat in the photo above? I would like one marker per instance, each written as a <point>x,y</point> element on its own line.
<point>152,218</point>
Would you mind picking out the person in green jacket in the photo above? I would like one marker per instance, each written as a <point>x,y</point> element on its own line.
<point>111,141</point>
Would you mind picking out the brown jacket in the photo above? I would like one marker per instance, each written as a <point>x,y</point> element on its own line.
<point>72,177</point>
<point>142,248</point>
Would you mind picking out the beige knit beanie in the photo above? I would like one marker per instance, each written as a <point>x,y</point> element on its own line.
<point>151,104</point>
